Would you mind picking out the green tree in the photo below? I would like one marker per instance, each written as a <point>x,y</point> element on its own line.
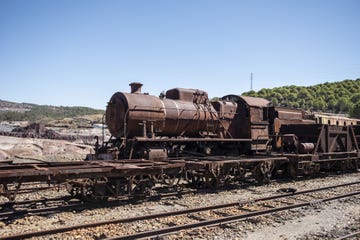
<point>275,102</point>
<point>329,97</point>
<point>355,110</point>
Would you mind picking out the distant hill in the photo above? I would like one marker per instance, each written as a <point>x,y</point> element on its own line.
<point>16,107</point>
<point>11,111</point>
<point>335,97</point>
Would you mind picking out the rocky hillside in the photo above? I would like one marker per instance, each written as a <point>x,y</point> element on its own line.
<point>15,107</point>
<point>10,111</point>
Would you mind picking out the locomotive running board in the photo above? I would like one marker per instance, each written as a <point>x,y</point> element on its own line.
<point>141,139</point>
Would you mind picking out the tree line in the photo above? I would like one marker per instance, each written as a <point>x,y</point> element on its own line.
<point>337,97</point>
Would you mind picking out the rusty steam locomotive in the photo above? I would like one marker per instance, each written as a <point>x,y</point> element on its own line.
<point>184,122</point>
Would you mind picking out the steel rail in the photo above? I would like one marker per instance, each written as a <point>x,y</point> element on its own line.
<point>350,235</point>
<point>16,209</point>
<point>43,211</point>
<point>31,190</point>
<point>78,205</point>
<point>224,220</point>
<point>167,214</point>
<point>32,201</point>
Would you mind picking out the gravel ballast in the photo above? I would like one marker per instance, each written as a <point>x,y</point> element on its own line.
<point>326,220</point>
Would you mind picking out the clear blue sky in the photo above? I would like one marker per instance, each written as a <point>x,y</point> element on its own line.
<point>79,52</point>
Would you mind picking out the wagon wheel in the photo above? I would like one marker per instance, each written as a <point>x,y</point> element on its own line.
<point>119,187</point>
<point>202,179</point>
<point>195,179</point>
<point>73,189</point>
<point>308,169</point>
<point>224,176</point>
<point>353,165</point>
<point>263,171</point>
<point>140,185</point>
<point>348,165</point>
<point>80,189</point>
<point>9,193</point>
<point>216,178</point>
<point>211,182</point>
<point>171,180</point>
<point>240,173</point>
<point>291,170</point>
<point>87,190</point>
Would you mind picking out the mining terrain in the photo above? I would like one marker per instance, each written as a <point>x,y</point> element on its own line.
<point>65,140</point>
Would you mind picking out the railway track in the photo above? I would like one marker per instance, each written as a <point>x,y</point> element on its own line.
<point>215,214</point>
<point>43,207</point>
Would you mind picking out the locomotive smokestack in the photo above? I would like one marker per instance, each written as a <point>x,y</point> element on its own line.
<point>135,87</point>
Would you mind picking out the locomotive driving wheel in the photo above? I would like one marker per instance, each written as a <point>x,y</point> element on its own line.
<point>263,171</point>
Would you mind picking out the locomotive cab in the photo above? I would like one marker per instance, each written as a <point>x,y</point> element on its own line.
<point>250,122</point>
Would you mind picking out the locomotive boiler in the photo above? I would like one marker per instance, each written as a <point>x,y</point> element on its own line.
<point>180,112</point>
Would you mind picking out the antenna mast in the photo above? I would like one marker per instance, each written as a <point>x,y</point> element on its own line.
<point>251,81</point>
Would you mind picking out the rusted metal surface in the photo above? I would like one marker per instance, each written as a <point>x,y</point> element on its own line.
<point>215,173</point>
<point>95,179</point>
<point>278,116</point>
<point>250,101</point>
<point>306,147</point>
<point>136,87</point>
<point>356,130</point>
<point>56,174</point>
<point>250,121</point>
<point>227,114</point>
<point>103,179</point>
<point>285,113</point>
<point>185,112</point>
<point>326,138</point>
<point>188,95</point>
<point>94,176</point>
